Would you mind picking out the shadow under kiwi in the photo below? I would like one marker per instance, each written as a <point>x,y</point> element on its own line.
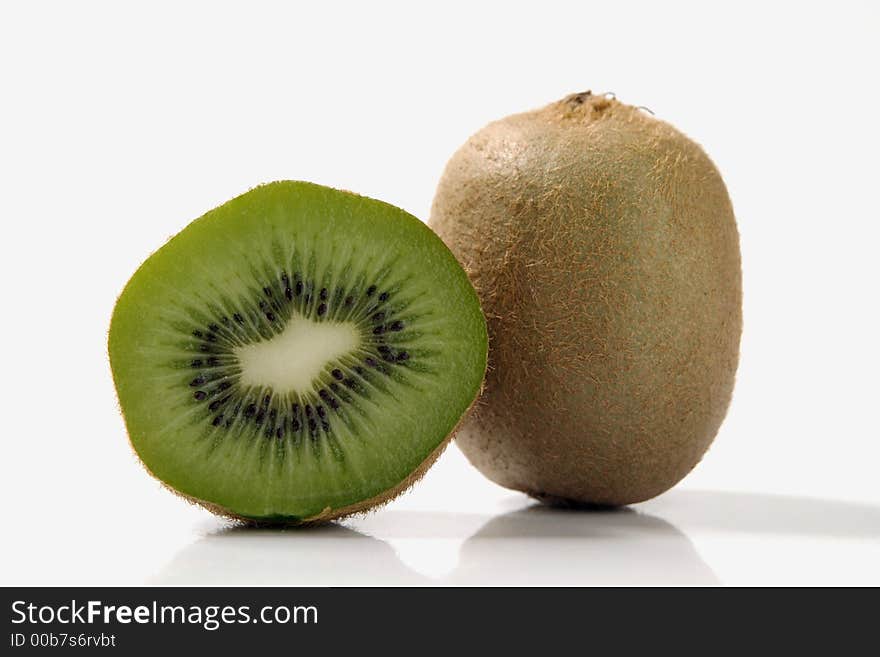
<point>766,514</point>
<point>549,546</point>
<point>320,555</point>
<point>646,544</point>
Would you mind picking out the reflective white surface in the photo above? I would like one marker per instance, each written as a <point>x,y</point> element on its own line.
<point>456,528</point>
<point>657,544</point>
<point>529,546</point>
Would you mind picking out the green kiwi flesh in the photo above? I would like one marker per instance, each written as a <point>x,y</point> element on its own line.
<point>298,353</point>
<point>604,249</point>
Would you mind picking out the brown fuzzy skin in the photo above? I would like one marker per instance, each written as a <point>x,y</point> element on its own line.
<point>604,249</point>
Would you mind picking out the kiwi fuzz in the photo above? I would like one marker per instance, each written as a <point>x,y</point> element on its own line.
<point>604,248</point>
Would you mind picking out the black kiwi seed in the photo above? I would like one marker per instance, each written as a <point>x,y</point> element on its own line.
<point>270,316</point>
<point>196,363</point>
<point>224,385</point>
<point>384,348</point>
<point>321,412</point>
<point>334,387</point>
<point>267,291</point>
<point>213,360</point>
<point>198,334</point>
<point>250,410</point>
<point>333,403</point>
<point>371,362</point>
<point>402,356</point>
<point>322,308</point>
<point>337,374</point>
<point>323,294</point>
<point>383,296</point>
<point>308,411</point>
<point>294,425</point>
<point>349,301</point>
<point>279,432</point>
<point>238,318</point>
<point>298,288</point>
<point>288,293</point>
<point>379,330</point>
<point>217,420</point>
<point>323,394</point>
<point>378,317</point>
<point>396,326</point>
<point>371,290</point>
<point>199,395</point>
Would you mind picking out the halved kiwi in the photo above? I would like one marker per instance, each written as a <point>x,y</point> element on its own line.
<point>297,354</point>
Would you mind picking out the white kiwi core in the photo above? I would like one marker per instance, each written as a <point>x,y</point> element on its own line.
<point>291,360</point>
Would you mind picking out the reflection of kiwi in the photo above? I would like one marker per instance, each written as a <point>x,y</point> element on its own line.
<point>299,353</point>
<point>604,249</point>
<point>610,547</point>
<point>328,555</point>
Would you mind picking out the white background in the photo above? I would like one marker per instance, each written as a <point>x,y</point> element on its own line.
<point>118,125</point>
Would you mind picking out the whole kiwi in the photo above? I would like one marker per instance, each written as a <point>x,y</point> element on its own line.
<point>604,249</point>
